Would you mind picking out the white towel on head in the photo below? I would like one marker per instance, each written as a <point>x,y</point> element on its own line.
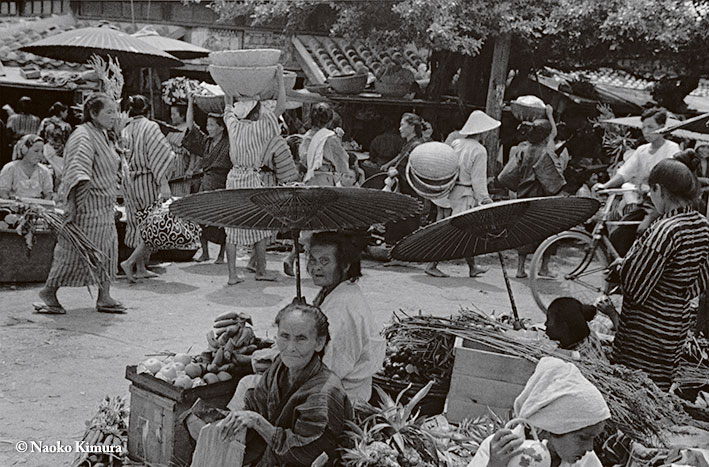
<point>315,151</point>
<point>559,399</point>
<point>243,108</point>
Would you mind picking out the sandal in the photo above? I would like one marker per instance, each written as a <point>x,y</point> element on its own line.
<point>44,309</point>
<point>118,308</point>
<point>288,269</point>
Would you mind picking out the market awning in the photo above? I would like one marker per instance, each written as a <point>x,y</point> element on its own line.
<point>51,80</point>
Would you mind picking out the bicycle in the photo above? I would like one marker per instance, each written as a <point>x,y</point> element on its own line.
<point>577,261</point>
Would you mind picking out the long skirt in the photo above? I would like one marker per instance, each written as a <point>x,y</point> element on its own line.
<point>68,269</point>
<point>237,178</point>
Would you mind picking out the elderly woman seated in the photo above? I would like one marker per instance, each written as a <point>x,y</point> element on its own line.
<point>297,411</point>
<point>25,177</point>
<point>564,408</point>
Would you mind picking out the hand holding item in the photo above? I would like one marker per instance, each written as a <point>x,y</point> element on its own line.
<point>503,447</point>
<point>237,421</point>
<point>70,209</point>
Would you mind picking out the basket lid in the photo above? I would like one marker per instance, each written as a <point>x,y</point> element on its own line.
<point>434,161</point>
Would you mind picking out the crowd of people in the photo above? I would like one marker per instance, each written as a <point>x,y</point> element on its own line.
<point>294,410</point>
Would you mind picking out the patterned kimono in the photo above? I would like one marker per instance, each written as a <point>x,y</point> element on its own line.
<point>665,268</point>
<point>247,142</point>
<point>91,167</point>
<point>55,132</point>
<point>150,160</point>
<point>309,416</point>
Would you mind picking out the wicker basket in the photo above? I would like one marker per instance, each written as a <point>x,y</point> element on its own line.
<point>350,84</point>
<point>210,104</point>
<point>391,89</point>
<point>243,81</point>
<point>527,112</point>
<point>245,58</point>
<point>289,78</point>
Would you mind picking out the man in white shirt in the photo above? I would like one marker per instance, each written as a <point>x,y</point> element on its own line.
<point>636,169</point>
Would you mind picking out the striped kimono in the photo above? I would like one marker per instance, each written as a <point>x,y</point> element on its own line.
<point>665,268</point>
<point>309,416</point>
<point>278,164</point>
<point>150,160</point>
<point>91,168</point>
<point>247,142</point>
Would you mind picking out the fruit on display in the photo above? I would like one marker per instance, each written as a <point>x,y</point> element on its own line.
<point>231,343</point>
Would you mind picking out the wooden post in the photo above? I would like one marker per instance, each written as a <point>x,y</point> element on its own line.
<point>495,97</point>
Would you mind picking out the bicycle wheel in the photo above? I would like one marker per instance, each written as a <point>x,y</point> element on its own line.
<point>575,270</point>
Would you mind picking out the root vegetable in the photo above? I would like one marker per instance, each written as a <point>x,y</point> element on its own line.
<point>228,315</point>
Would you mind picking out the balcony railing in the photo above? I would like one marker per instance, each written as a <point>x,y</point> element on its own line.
<point>33,7</point>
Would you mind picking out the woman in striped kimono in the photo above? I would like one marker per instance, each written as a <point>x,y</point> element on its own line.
<point>149,162</point>
<point>664,270</point>
<point>88,190</point>
<point>251,126</point>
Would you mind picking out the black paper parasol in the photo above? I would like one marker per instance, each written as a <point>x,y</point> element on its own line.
<point>295,209</point>
<point>79,45</point>
<point>494,228</point>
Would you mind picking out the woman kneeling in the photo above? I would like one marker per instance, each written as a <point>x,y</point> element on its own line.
<point>298,410</point>
<point>567,411</point>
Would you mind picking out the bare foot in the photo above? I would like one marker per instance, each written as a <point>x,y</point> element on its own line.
<point>521,275</point>
<point>267,277</point>
<point>477,272</point>
<point>128,270</point>
<point>145,274</point>
<point>546,274</point>
<point>235,280</point>
<point>49,298</point>
<point>219,261</point>
<point>435,272</point>
<point>202,258</point>
<point>250,268</point>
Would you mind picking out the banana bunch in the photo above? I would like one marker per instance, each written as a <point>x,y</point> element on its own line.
<point>231,342</point>
<point>105,441</point>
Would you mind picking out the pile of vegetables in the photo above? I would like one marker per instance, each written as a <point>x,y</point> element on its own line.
<point>107,432</point>
<point>392,434</point>
<point>23,219</point>
<point>638,407</point>
<point>231,343</point>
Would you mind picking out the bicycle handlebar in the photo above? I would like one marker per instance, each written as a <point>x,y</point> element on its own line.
<point>616,191</point>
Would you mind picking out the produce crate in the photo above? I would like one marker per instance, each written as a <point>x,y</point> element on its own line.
<point>156,434</point>
<point>19,265</point>
<point>484,379</point>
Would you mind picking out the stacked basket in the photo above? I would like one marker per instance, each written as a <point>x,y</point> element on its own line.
<point>432,170</point>
<point>248,73</point>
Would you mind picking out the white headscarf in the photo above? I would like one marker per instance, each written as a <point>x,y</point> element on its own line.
<point>559,399</point>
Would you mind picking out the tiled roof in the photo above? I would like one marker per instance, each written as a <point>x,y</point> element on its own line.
<point>323,57</point>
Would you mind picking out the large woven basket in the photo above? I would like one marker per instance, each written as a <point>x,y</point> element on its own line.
<point>246,82</point>
<point>245,58</point>
<point>527,113</point>
<point>210,104</point>
<point>351,84</point>
<point>434,161</point>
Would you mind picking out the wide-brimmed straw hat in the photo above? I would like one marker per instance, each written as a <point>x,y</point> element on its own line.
<point>478,122</point>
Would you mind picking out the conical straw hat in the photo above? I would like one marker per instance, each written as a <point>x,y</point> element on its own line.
<point>478,122</point>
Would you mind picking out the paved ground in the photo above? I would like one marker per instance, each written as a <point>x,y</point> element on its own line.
<point>54,370</point>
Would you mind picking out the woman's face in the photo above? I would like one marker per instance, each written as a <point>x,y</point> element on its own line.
<point>406,130</point>
<point>214,129</point>
<point>703,152</point>
<point>35,153</point>
<point>571,447</point>
<point>323,267</point>
<point>297,340</point>
<point>656,197</point>
<point>64,114</point>
<point>650,125</point>
<point>106,117</point>
<point>175,116</point>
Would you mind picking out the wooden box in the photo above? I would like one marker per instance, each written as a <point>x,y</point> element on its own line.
<point>19,265</point>
<point>484,379</point>
<point>156,434</point>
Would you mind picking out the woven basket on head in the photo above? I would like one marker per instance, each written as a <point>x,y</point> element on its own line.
<point>210,104</point>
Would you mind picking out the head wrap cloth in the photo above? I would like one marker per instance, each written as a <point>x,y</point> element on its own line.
<point>27,141</point>
<point>559,399</point>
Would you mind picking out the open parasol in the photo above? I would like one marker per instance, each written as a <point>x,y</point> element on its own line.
<point>295,209</point>
<point>494,228</point>
<point>175,47</point>
<point>690,129</point>
<point>79,45</point>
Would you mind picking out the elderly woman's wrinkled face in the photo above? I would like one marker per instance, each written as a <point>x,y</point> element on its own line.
<point>323,267</point>
<point>35,153</point>
<point>297,340</point>
<point>571,447</point>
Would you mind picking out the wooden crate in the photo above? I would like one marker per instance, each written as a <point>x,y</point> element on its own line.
<point>156,434</point>
<point>19,265</point>
<point>484,379</point>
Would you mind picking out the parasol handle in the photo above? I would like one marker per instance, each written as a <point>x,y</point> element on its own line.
<point>517,324</point>
<point>296,236</point>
